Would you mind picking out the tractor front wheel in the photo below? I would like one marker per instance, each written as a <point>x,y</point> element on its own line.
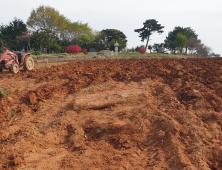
<point>15,68</point>
<point>29,63</point>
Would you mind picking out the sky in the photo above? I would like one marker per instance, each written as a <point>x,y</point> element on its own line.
<point>203,16</point>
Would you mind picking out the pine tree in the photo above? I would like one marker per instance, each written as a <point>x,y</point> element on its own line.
<point>149,27</point>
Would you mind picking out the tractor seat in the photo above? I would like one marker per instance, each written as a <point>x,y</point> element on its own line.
<point>19,57</point>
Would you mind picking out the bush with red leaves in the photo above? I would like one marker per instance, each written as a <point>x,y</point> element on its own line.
<point>73,49</point>
<point>85,51</point>
<point>142,50</point>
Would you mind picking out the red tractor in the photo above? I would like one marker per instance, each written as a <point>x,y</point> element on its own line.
<point>11,61</point>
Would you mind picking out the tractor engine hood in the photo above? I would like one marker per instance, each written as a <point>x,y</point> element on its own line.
<point>6,59</point>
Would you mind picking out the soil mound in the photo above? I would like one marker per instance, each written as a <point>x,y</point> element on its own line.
<point>113,114</point>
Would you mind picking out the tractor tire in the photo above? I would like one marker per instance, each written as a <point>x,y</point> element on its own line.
<point>1,70</point>
<point>29,63</point>
<point>15,68</point>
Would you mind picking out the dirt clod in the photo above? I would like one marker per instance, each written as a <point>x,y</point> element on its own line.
<point>160,134</point>
<point>32,98</point>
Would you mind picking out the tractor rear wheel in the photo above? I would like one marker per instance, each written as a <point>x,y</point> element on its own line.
<point>29,63</point>
<point>15,68</point>
<point>1,70</point>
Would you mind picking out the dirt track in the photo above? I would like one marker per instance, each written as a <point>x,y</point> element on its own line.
<point>114,114</point>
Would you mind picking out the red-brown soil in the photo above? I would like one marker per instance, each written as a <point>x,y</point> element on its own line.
<point>137,114</point>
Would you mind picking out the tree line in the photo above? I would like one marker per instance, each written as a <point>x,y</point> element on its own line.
<point>47,29</point>
<point>179,40</point>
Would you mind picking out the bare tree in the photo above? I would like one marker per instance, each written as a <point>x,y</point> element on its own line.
<point>192,44</point>
<point>27,36</point>
<point>195,46</point>
<point>203,50</point>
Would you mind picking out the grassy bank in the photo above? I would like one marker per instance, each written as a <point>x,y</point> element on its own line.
<point>122,55</point>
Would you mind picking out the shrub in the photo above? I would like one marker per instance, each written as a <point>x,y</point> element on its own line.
<point>142,50</point>
<point>36,53</point>
<point>73,49</point>
<point>85,51</point>
<point>103,51</point>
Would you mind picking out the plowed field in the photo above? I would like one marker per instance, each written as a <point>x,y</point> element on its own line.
<point>153,114</point>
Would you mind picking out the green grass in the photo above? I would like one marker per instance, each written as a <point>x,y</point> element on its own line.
<point>59,55</point>
<point>151,55</point>
<point>2,92</point>
<point>13,112</point>
<point>122,55</point>
<point>93,87</point>
<point>51,55</point>
<point>51,64</point>
<point>88,90</point>
<point>105,84</point>
<point>57,63</point>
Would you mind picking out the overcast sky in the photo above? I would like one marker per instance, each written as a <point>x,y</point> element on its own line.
<point>203,16</point>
